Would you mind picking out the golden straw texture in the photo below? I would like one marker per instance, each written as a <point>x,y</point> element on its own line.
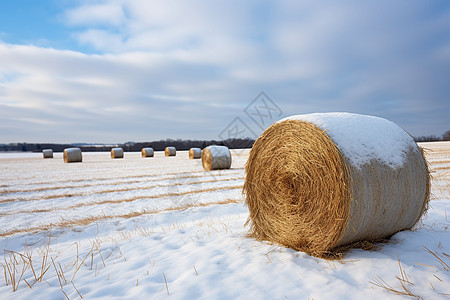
<point>116,153</point>
<point>195,153</point>
<point>302,192</point>
<point>72,155</point>
<point>47,153</point>
<point>216,158</point>
<point>170,151</point>
<point>147,152</point>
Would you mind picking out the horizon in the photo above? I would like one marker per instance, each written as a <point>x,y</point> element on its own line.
<point>115,71</point>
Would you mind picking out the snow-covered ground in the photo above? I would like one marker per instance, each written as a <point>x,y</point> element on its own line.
<point>161,227</point>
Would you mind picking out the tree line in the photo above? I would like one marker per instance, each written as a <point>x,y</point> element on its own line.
<point>179,144</point>
<point>433,138</point>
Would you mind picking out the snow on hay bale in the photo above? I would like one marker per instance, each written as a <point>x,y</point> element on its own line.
<point>147,152</point>
<point>72,155</point>
<point>323,183</point>
<point>195,153</point>
<point>170,151</point>
<point>116,153</point>
<point>216,157</point>
<point>47,153</point>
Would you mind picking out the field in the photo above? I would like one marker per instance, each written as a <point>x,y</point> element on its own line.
<point>161,227</point>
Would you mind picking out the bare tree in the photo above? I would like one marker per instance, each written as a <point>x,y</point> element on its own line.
<point>446,136</point>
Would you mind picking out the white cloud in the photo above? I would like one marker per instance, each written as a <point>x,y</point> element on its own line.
<point>198,61</point>
<point>106,13</point>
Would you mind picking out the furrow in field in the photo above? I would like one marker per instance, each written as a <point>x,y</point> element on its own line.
<point>90,192</point>
<point>102,178</point>
<point>121,200</point>
<point>91,219</point>
<point>440,162</point>
<point>447,167</point>
<point>152,179</point>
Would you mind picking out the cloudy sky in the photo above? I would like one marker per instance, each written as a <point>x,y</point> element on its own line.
<point>116,71</point>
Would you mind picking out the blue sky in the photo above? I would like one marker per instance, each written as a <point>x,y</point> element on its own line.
<point>117,71</point>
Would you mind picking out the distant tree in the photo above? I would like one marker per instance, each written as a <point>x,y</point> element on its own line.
<point>428,138</point>
<point>446,136</point>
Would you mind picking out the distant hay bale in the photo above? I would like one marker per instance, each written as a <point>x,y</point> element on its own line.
<point>147,152</point>
<point>116,153</point>
<point>195,153</point>
<point>323,183</point>
<point>170,151</point>
<point>47,153</point>
<point>72,155</point>
<point>216,158</point>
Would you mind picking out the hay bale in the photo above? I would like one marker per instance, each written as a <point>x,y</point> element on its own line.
<point>170,151</point>
<point>195,153</point>
<point>323,183</point>
<point>216,158</point>
<point>47,153</point>
<point>72,155</point>
<point>147,152</point>
<point>116,153</point>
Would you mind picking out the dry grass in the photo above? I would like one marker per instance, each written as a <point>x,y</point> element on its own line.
<point>24,267</point>
<point>404,280</point>
<point>23,262</point>
<point>167,286</point>
<point>444,265</point>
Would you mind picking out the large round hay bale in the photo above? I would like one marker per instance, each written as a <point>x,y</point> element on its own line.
<point>116,153</point>
<point>321,183</point>
<point>195,153</point>
<point>47,153</point>
<point>72,155</point>
<point>147,152</point>
<point>216,158</point>
<point>170,151</point>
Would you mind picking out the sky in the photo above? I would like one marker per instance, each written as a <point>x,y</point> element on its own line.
<point>116,71</point>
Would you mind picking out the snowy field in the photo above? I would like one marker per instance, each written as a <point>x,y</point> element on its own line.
<point>161,227</point>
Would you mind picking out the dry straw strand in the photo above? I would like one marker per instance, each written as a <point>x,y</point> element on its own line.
<point>302,192</point>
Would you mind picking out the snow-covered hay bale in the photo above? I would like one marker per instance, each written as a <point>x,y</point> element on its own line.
<point>147,152</point>
<point>47,153</point>
<point>322,183</point>
<point>195,153</point>
<point>72,155</point>
<point>116,153</point>
<point>216,158</point>
<point>170,151</point>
